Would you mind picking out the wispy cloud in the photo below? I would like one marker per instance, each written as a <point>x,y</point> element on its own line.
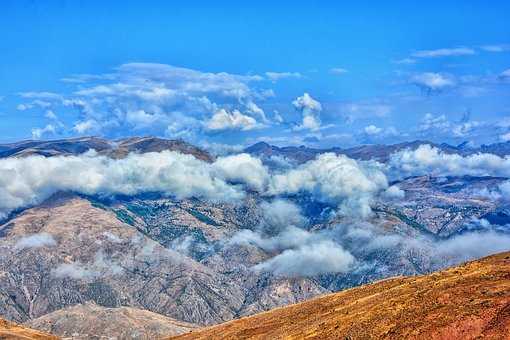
<point>444,52</point>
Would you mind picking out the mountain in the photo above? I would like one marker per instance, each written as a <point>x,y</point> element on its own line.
<point>470,301</point>
<point>92,321</point>
<point>380,152</point>
<point>116,149</point>
<point>10,330</point>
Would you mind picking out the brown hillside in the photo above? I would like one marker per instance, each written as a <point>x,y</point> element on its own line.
<point>10,330</point>
<point>471,301</point>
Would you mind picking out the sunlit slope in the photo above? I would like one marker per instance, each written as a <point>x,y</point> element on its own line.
<point>10,330</point>
<point>466,302</point>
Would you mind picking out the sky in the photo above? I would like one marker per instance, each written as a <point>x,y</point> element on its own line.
<point>227,75</point>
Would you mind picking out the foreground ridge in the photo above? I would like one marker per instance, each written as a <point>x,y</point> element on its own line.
<point>10,330</point>
<point>465,302</point>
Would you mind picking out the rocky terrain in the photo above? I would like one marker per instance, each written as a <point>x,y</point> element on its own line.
<point>471,301</point>
<point>90,321</point>
<point>116,149</point>
<point>181,263</point>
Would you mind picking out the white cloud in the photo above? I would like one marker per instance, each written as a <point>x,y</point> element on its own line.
<point>309,260</point>
<point>159,98</point>
<point>495,48</point>
<point>430,160</point>
<point>335,179</point>
<point>405,61</point>
<point>85,126</point>
<point>505,137</point>
<point>38,133</point>
<point>35,241</point>
<point>338,70</point>
<point>505,74</point>
<point>243,168</point>
<point>433,81</point>
<point>372,130</point>
<point>444,52</point>
<point>275,76</point>
<point>310,110</point>
<point>30,180</point>
<point>223,120</point>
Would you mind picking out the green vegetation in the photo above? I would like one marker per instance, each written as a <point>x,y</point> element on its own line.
<point>124,216</point>
<point>203,218</point>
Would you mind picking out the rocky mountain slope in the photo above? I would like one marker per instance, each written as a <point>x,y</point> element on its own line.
<point>116,149</point>
<point>380,152</point>
<point>92,321</point>
<point>197,260</point>
<point>470,301</point>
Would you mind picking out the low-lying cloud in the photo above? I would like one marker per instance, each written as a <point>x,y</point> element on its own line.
<point>35,241</point>
<point>431,160</point>
<point>339,180</point>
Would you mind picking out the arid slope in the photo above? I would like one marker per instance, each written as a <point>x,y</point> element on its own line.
<point>10,330</point>
<point>467,302</point>
<point>89,320</point>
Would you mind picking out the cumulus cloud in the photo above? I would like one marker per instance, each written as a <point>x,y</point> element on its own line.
<point>30,180</point>
<point>444,52</point>
<point>372,130</point>
<point>35,241</point>
<point>160,98</point>
<point>48,130</point>
<point>309,260</point>
<point>243,168</point>
<point>310,110</point>
<point>223,120</point>
<point>430,160</point>
<point>433,82</point>
<point>335,179</point>
<point>299,252</point>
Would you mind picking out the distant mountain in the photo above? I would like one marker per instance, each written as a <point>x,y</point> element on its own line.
<point>380,152</point>
<point>116,149</point>
<point>467,302</point>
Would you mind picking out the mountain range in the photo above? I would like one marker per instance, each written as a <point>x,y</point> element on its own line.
<point>146,265</point>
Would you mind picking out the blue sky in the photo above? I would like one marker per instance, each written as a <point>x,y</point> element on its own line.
<point>315,73</point>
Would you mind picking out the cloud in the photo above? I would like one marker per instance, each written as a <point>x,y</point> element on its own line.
<point>430,160</point>
<point>505,137</point>
<point>335,179</point>
<point>30,180</point>
<point>505,74</point>
<point>444,52</point>
<point>432,82</point>
<point>495,48</point>
<point>372,130</point>
<point>223,120</point>
<point>309,260</point>
<point>242,168</point>
<point>35,241</point>
<point>275,76</point>
<point>161,99</point>
<point>310,110</point>
<point>338,70</point>
<point>405,61</point>
<point>100,267</point>
<point>48,130</point>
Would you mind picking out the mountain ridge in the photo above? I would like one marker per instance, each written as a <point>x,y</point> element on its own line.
<point>464,302</point>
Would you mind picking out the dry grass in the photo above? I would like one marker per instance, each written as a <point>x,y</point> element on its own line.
<point>10,330</point>
<point>471,301</point>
